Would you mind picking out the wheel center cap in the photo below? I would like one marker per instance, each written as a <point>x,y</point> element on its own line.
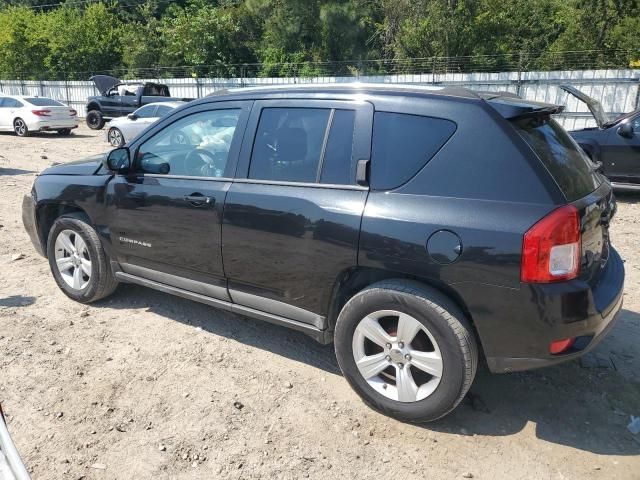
<point>396,355</point>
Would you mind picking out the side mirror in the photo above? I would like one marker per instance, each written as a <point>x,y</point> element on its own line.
<point>132,116</point>
<point>118,160</point>
<point>626,130</point>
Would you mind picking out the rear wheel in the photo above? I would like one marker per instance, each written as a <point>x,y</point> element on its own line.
<point>78,263</point>
<point>115,137</point>
<point>406,349</point>
<point>20,128</point>
<point>94,120</point>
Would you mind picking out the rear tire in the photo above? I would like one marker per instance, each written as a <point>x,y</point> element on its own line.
<point>78,262</point>
<point>94,120</point>
<point>415,379</point>
<point>20,128</point>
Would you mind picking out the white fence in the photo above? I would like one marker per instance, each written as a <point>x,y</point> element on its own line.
<point>617,90</point>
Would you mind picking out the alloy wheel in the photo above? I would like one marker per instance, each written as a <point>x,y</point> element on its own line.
<point>20,127</point>
<point>72,259</point>
<point>115,137</point>
<point>397,356</point>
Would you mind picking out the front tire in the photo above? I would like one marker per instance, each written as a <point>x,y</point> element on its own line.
<point>95,120</point>
<point>78,262</point>
<point>115,137</point>
<point>20,128</point>
<point>406,349</point>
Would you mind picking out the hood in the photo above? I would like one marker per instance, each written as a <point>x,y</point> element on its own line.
<point>595,107</point>
<point>104,83</point>
<point>88,166</point>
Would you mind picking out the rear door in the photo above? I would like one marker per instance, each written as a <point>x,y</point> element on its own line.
<point>621,155</point>
<point>292,216</point>
<point>5,116</point>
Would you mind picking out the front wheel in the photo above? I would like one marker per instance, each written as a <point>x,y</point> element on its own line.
<point>95,120</point>
<point>78,263</point>
<point>115,137</point>
<point>406,349</point>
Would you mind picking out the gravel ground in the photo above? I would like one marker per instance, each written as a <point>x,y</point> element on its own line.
<point>145,385</point>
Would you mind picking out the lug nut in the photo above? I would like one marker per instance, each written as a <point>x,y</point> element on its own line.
<point>388,345</point>
<point>400,366</point>
<point>384,385</point>
<point>407,356</point>
<point>400,344</point>
<point>387,358</point>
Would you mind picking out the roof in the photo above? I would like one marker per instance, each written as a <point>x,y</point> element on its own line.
<point>174,104</point>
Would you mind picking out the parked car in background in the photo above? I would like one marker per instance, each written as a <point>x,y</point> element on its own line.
<point>11,466</point>
<point>415,228</point>
<point>24,115</point>
<point>118,99</point>
<point>614,144</point>
<point>124,129</point>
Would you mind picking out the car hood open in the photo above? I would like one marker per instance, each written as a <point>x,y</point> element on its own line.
<point>87,166</point>
<point>595,107</point>
<point>105,82</point>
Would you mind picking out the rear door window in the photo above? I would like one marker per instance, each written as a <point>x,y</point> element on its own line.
<point>574,173</point>
<point>403,144</point>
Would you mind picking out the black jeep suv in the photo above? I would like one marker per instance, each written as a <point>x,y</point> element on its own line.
<point>412,227</point>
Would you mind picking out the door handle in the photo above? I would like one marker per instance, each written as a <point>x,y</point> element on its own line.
<point>198,200</point>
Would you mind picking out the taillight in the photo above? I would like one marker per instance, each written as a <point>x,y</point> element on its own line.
<point>551,248</point>
<point>72,112</point>
<point>41,113</point>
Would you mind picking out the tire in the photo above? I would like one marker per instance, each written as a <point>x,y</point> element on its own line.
<point>89,288</point>
<point>442,331</point>
<point>94,120</point>
<point>64,131</point>
<point>20,128</point>
<point>115,137</point>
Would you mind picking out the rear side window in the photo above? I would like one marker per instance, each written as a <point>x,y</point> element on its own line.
<point>403,144</point>
<point>568,165</point>
<point>43,102</point>
<point>338,165</point>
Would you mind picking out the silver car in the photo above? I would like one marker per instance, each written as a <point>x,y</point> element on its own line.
<point>124,129</point>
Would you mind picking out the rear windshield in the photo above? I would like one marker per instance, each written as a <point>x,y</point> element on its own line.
<point>43,102</point>
<point>572,170</point>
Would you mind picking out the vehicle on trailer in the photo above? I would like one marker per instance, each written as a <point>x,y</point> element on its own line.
<point>412,227</point>
<point>24,115</point>
<point>614,144</point>
<point>119,99</point>
<point>124,129</point>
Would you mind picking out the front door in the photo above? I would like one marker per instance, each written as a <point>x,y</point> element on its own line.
<point>292,216</point>
<point>622,155</point>
<point>166,214</point>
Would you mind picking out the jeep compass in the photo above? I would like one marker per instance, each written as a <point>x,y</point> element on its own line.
<point>414,228</point>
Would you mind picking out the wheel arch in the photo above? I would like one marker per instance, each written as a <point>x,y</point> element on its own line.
<point>47,213</point>
<point>94,106</point>
<point>354,280</point>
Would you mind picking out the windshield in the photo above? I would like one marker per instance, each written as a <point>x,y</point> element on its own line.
<point>43,102</point>
<point>572,170</point>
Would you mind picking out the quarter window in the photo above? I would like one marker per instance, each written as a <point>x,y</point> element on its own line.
<point>307,145</point>
<point>403,144</point>
<point>197,145</point>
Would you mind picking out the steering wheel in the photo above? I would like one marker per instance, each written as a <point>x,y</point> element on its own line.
<point>200,162</point>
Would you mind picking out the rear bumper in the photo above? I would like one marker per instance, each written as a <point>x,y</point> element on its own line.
<point>57,124</point>
<point>519,335</point>
<point>30,222</point>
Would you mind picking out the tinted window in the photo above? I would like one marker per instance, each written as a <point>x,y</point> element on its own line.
<point>337,165</point>
<point>197,145</point>
<point>43,102</point>
<point>148,111</point>
<point>288,144</point>
<point>636,125</point>
<point>10,103</point>
<point>402,145</point>
<point>572,170</point>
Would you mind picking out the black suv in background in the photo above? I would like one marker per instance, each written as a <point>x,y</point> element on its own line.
<point>412,227</point>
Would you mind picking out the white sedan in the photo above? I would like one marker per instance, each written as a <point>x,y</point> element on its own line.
<point>124,129</point>
<point>24,115</point>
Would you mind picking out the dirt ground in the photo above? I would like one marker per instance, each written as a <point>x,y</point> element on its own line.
<point>145,385</point>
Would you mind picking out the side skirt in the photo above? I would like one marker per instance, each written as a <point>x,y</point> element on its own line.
<point>321,336</point>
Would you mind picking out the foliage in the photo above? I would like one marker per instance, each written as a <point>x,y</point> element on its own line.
<point>155,38</point>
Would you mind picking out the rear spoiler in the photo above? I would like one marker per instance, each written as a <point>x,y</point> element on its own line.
<point>512,107</point>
